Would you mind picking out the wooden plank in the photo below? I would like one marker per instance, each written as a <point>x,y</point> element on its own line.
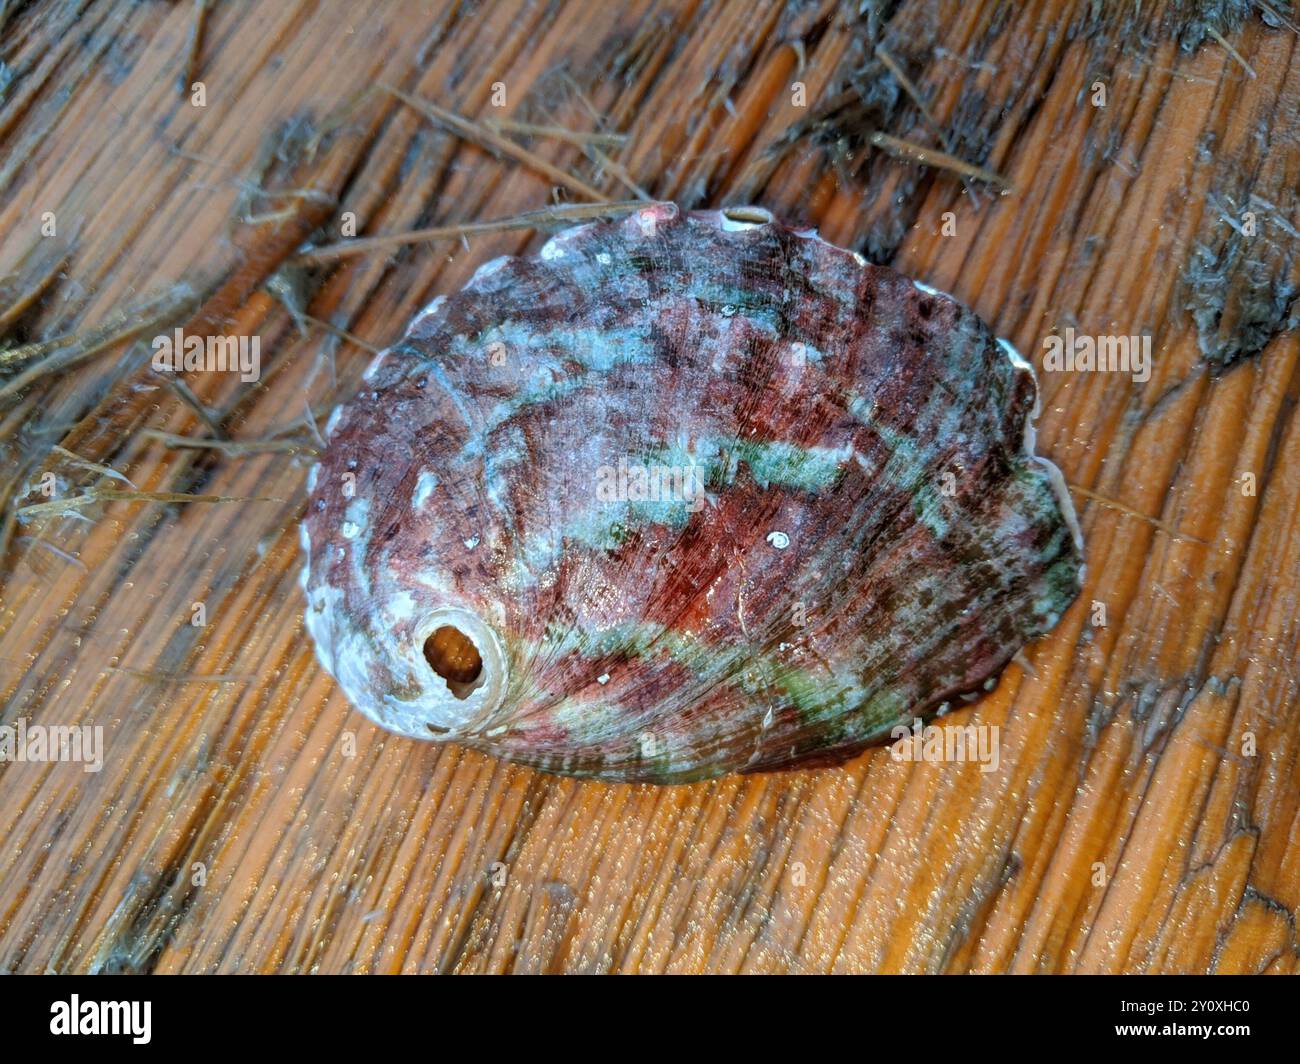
<point>246,819</point>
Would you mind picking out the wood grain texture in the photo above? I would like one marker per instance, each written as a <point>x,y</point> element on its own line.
<point>246,819</point>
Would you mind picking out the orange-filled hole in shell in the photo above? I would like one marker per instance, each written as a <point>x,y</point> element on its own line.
<point>453,655</point>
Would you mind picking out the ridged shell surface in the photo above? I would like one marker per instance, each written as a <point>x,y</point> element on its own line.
<point>697,492</point>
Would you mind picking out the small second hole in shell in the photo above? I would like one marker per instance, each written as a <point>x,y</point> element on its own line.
<point>748,216</point>
<point>454,657</point>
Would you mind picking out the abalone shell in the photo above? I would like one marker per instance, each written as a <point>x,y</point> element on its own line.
<point>686,493</point>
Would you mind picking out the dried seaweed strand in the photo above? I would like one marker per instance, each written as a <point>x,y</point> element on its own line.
<point>1230,50</point>
<point>64,351</point>
<point>232,448</point>
<point>1191,79</point>
<point>342,334</point>
<point>94,495</point>
<point>1269,9</point>
<point>25,299</point>
<point>95,467</point>
<point>942,160</point>
<point>599,157</point>
<point>309,420</point>
<point>619,171</point>
<point>186,395</point>
<point>485,138</point>
<point>1114,504</point>
<point>527,220</point>
<point>911,89</point>
<point>528,129</point>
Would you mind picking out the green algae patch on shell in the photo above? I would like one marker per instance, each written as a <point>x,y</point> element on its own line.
<point>684,494</point>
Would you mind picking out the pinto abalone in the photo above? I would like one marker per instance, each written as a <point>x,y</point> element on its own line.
<point>683,494</point>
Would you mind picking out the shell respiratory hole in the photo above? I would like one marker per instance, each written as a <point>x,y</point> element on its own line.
<point>702,492</point>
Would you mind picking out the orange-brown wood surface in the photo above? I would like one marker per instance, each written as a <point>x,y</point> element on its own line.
<point>1144,814</point>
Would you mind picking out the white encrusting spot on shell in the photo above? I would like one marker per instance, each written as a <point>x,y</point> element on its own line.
<point>1017,359</point>
<point>779,540</point>
<point>487,270</point>
<point>334,420</point>
<point>304,538</point>
<point>434,305</point>
<point>355,518</point>
<point>401,606</point>
<point>424,485</point>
